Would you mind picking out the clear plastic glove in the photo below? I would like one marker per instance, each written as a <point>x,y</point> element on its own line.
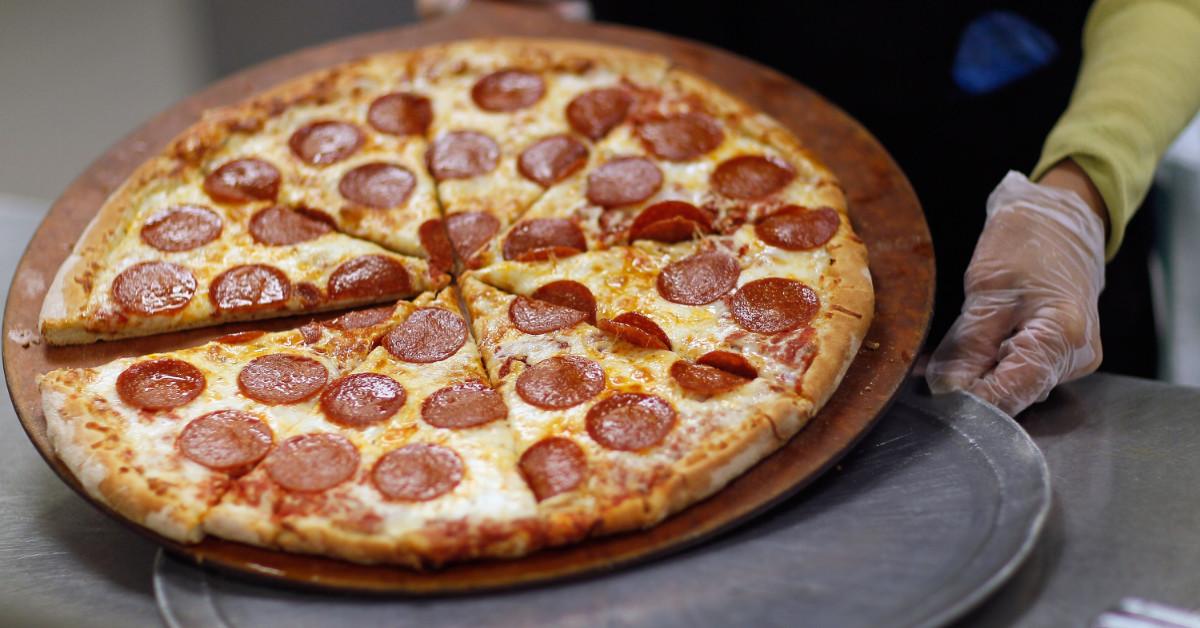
<point>1029,321</point>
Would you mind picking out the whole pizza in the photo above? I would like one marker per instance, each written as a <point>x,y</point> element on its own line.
<point>581,290</point>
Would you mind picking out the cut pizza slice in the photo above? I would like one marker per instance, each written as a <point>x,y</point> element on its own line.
<point>408,459</point>
<point>161,259</point>
<point>613,435</point>
<point>159,438</point>
<point>514,118</point>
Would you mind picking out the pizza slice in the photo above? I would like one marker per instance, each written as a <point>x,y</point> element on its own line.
<point>515,118</point>
<point>159,438</point>
<point>408,459</point>
<point>612,435</point>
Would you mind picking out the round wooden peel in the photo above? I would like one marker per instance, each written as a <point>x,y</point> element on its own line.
<point>883,208</point>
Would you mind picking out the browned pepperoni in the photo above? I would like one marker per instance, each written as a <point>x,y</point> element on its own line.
<point>570,294</point>
<point>242,181</point>
<point>670,221</point>
<point>364,318</point>
<point>417,472</point>
<point>310,332</point>
<point>160,384</point>
<point>463,405</point>
<point>369,276</point>
<point>750,177</point>
<point>637,329</point>
<point>239,337</point>
<point>623,181</point>
<point>462,155</point>
<point>552,159</point>
<point>681,136</point>
<point>313,462</point>
<point>310,295</point>
<point>436,243</point>
<point>729,362</point>
<point>543,238</point>
<point>469,231</point>
<point>796,229</point>
<point>361,399</point>
<point>540,317</point>
<point>428,335</point>
<point>703,379</point>
<point>226,440</point>
<point>699,279</point>
<point>152,288</point>
<point>280,226</point>
<point>562,381</point>
<point>379,185</point>
<point>630,421</point>
<point>774,305</point>
<point>507,90</point>
<point>250,287</point>
<point>594,113</point>
<point>181,228</point>
<point>553,465</point>
<point>400,113</point>
<point>282,378</point>
<point>325,142</point>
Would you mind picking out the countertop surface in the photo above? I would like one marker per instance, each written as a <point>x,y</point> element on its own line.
<point>1123,454</point>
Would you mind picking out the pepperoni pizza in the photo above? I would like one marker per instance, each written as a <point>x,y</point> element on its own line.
<point>654,287</point>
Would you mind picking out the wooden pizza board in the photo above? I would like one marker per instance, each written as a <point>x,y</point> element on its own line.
<point>883,208</point>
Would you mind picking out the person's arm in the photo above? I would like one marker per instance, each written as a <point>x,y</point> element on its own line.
<point>1030,318</point>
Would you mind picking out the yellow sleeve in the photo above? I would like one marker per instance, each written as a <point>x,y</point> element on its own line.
<point>1138,86</point>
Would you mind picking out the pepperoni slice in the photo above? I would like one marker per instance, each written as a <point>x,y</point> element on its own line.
<point>325,141</point>
<point>699,279</point>
<point>729,362</point>
<point>226,440</point>
<point>361,399</point>
<point>417,472</point>
<point>436,243</point>
<point>796,229</point>
<point>242,181</point>
<point>570,294</point>
<point>542,238</point>
<point>280,226</point>
<point>428,335</point>
<point>379,185</point>
<point>774,305</point>
<point>670,221</point>
<point>636,329</point>
<point>680,137</point>
<point>310,332</point>
<point>623,181</point>
<point>150,288</point>
<point>181,228</point>
<point>313,462</point>
<point>553,465</point>
<point>250,287</point>
<point>594,113</point>
<point>369,276</point>
<point>364,318</point>
<point>469,231</point>
<point>563,381</point>
<point>310,295</point>
<point>750,177</point>
<point>552,159</point>
<point>462,155</point>
<point>507,90</point>
<point>160,384</point>
<point>400,113</point>
<point>239,337</point>
<point>540,317</point>
<point>282,378</point>
<point>463,405</point>
<point>703,379</point>
<point>630,421</point>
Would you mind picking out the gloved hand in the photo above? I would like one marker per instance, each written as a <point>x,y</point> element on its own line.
<point>1029,321</point>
